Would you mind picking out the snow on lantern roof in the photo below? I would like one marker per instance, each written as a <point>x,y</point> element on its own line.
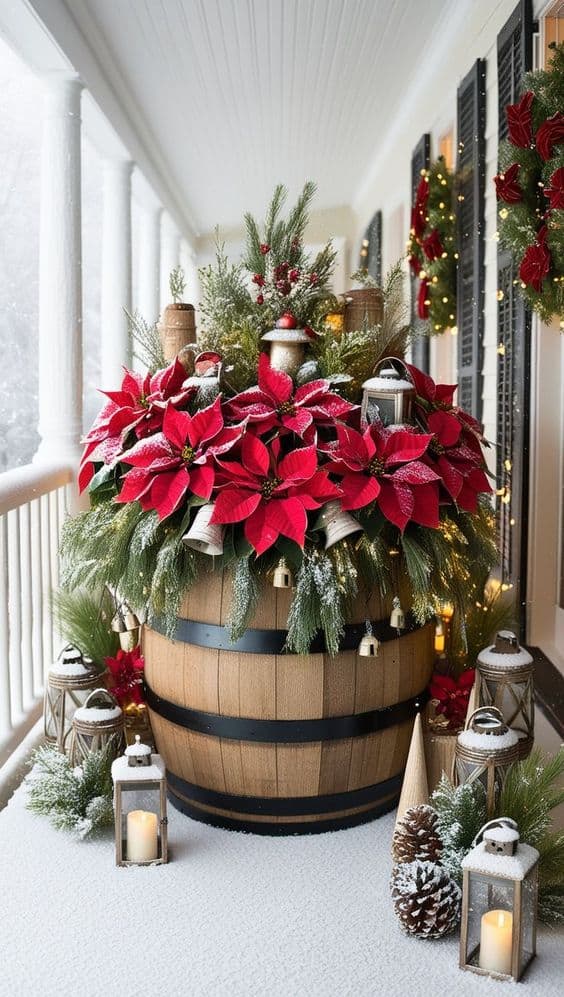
<point>504,866</point>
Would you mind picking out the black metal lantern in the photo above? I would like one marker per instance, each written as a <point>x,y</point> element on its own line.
<point>504,679</point>
<point>484,751</point>
<point>499,903</point>
<point>388,396</point>
<point>139,778</point>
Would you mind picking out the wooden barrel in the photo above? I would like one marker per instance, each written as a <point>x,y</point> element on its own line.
<point>257,740</point>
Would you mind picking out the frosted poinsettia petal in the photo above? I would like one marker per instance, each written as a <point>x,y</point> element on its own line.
<point>330,408</point>
<point>451,477</point>
<point>359,490</point>
<point>275,383</point>
<point>168,490</point>
<point>168,381</point>
<point>351,448</point>
<point>85,475</point>
<point>151,449</point>
<point>316,491</point>
<point>313,391</point>
<point>299,422</point>
<point>134,383</point>
<point>403,446</point>
<point>396,503</point>
<point>124,419</point>
<point>426,505</point>
<point>444,393</point>
<point>298,465</point>
<point>234,504</point>
<point>225,439</point>
<point>205,424</point>
<point>415,473</point>
<point>287,516</point>
<point>176,427</point>
<point>253,405</point>
<point>135,483</point>
<point>260,534</point>
<point>425,387</point>
<point>446,427</point>
<point>255,456</point>
<point>120,398</point>
<point>202,480</point>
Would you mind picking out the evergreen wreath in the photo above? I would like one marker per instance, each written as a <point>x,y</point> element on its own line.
<point>530,185</point>
<point>431,249</point>
<point>269,451</point>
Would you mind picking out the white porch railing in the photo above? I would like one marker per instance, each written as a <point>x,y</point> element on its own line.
<point>33,504</point>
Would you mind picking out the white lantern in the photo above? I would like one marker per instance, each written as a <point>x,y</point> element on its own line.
<point>499,903</point>
<point>505,679</point>
<point>70,677</point>
<point>388,396</point>
<point>140,807</point>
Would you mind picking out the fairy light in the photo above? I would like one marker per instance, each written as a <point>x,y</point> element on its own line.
<point>499,295</point>
<point>503,213</point>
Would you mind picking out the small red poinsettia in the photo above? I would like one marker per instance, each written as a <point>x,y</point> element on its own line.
<point>419,210</point>
<point>181,459</point>
<point>507,186</point>
<point>274,403</point>
<point>535,265</point>
<point>137,406</point>
<point>126,676</point>
<point>270,492</point>
<point>432,245</point>
<point>458,463</point>
<point>555,192</point>
<point>452,696</point>
<point>520,121</point>
<point>385,465</point>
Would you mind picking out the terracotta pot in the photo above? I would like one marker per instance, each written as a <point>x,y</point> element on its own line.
<point>177,328</point>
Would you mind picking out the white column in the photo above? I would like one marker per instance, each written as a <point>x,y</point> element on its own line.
<point>149,291</point>
<point>116,271</point>
<point>170,255</point>
<point>189,265</point>
<point>60,286</point>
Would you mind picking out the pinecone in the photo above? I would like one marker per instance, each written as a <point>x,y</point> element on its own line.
<point>416,836</point>
<point>426,900</point>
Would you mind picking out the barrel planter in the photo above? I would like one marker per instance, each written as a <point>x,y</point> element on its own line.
<point>258,740</point>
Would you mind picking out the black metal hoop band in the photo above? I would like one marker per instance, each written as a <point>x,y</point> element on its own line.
<point>285,731</point>
<point>284,806</point>
<point>279,830</point>
<point>273,641</point>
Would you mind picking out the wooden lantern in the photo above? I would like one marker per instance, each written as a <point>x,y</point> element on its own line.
<point>499,903</point>
<point>505,679</point>
<point>99,722</point>
<point>484,751</point>
<point>69,678</point>
<point>139,778</point>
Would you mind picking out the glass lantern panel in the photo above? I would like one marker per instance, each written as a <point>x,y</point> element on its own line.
<point>528,917</point>
<point>490,938</point>
<point>381,408</point>
<point>141,820</point>
<point>506,696</point>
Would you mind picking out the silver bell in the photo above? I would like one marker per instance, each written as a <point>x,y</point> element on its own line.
<point>397,618</point>
<point>337,523</point>
<point>283,577</point>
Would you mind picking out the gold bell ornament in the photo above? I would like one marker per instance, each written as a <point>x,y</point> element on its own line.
<point>126,624</point>
<point>336,523</point>
<point>397,617</point>
<point>203,535</point>
<point>369,644</point>
<point>283,577</point>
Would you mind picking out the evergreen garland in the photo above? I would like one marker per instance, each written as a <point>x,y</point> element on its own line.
<point>530,187</point>
<point>432,251</point>
<point>79,800</point>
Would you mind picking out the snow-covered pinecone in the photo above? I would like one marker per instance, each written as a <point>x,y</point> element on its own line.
<point>426,900</point>
<point>416,836</point>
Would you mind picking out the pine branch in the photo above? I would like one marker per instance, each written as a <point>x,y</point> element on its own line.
<point>147,346</point>
<point>177,284</point>
<point>77,800</point>
<point>83,618</point>
<point>246,594</point>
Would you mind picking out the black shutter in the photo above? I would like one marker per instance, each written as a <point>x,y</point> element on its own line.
<point>371,249</point>
<point>514,57</point>
<point>420,160</point>
<point>471,168</point>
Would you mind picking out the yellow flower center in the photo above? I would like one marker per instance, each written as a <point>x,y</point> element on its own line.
<point>187,454</point>
<point>268,486</point>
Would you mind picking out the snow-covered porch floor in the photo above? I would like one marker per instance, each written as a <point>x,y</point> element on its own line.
<point>232,914</point>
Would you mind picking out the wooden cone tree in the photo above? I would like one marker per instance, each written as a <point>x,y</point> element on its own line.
<point>415,789</point>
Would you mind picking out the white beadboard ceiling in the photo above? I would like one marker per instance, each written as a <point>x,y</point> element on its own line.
<point>232,96</point>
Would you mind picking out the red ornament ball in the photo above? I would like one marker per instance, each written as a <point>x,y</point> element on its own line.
<point>264,248</point>
<point>287,321</point>
<point>260,299</point>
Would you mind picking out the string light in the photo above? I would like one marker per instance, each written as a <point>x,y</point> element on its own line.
<point>500,295</point>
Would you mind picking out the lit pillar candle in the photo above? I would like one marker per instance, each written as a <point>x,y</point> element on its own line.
<point>142,841</point>
<point>496,941</point>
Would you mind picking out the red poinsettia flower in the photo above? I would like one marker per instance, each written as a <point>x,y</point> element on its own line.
<point>414,263</point>
<point>452,695</point>
<point>385,465</point>
<point>431,397</point>
<point>555,192</point>
<point>270,492</point>
<point>423,299</point>
<point>137,406</point>
<point>506,186</point>
<point>432,246</point>
<point>126,676</point>
<point>535,265</point>
<point>519,121</point>
<point>459,464</point>
<point>275,403</point>
<point>436,395</point>
<point>180,460</point>
<point>550,133</point>
<point>419,211</point>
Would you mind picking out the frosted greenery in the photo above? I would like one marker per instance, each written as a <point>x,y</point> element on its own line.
<point>79,800</point>
<point>461,813</point>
